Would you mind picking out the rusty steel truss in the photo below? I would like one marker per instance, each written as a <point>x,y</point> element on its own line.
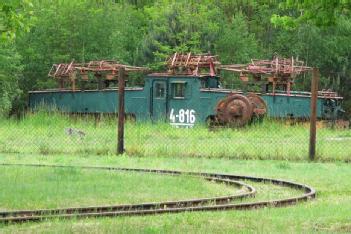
<point>278,71</point>
<point>191,64</point>
<point>103,70</point>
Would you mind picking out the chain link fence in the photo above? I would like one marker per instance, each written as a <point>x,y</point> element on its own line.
<point>56,133</point>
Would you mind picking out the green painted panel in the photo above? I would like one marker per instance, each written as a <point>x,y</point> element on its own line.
<point>183,101</point>
<point>282,106</point>
<point>92,101</point>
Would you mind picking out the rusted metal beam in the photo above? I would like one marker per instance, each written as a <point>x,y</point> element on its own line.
<point>278,71</point>
<point>192,64</point>
<point>313,119</point>
<point>121,118</point>
<point>102,70</point>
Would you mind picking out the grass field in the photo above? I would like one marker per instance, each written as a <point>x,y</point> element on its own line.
<point>38,188</point>
<point>50,134</point>
<point>330,212</point>
<point>274,149</point>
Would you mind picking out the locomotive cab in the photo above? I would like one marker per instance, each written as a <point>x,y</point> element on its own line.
<point>210,82</point>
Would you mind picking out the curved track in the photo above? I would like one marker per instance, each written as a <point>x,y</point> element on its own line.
<point>201,204</point>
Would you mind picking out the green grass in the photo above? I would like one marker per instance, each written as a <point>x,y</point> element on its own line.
<point>42,138</point>
<point>46,133</point>
<point>34,188</point>
<point>330,212</point>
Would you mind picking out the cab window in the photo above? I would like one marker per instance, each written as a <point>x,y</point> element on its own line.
<point>178,90</point>
<point>160,90</point>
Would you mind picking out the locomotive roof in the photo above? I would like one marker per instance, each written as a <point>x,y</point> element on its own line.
<point>168,75</point>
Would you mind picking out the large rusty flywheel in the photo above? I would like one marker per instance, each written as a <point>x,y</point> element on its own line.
<point>259,105</point>
<point>235,110</point>
<point>238,110</point>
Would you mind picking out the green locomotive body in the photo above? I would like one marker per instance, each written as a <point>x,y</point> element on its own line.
<point>182,100</point>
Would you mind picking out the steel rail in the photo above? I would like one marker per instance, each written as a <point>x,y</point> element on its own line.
<point>169,204</point>
<point>202,204</point>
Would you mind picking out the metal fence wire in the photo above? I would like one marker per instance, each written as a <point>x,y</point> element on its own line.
<point>57,133</point>
<point>44,131</point>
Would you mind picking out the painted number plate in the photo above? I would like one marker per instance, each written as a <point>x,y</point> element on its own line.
<point>184,117</point>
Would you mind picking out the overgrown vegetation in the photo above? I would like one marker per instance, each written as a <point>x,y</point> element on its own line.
<point>52,133</point>
<point>146,32</point>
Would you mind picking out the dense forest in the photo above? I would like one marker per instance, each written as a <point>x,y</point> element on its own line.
<point>37,33</point>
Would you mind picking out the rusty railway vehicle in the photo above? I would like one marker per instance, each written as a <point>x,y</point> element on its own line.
<point>189,92</point>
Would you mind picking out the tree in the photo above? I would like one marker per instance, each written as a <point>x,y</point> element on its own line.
<point>180,26</point>
<point>10,72</point>
<point>146,32</point>
<point>15,16</point>
<point>315,12</point>
<point>79,31</point>
<point>237,44</point>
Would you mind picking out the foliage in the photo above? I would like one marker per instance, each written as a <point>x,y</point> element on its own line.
<point>15,16</point>
<point>180,26</point>
<point>10,72</point>
<point>79,31</point>
<point>237,44</point>
<point>145,32</point>
<point>316,12</point>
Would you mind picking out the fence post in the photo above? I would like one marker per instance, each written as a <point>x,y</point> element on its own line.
<point>313,119</point>
<point>120,133</point>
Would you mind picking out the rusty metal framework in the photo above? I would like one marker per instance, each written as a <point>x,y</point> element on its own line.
<point>278,71</point>
<point>103,70</point>
<point>191,64</point>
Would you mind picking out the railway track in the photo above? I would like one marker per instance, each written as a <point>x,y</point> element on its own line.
<point>200,204</point>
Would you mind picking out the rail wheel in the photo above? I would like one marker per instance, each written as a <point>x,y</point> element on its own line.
<point>259,105</point>
<point>235,110</point>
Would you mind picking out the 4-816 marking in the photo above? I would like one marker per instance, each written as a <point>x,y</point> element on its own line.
<point>184,117</point>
